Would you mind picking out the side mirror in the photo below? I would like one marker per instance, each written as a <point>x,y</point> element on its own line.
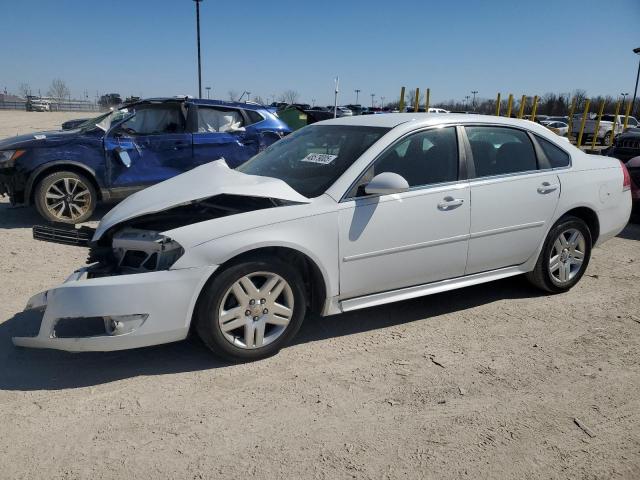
<point>385,183</point>
<point>124,157</point>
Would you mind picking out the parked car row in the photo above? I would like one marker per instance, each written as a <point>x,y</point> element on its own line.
<point>66,173</point>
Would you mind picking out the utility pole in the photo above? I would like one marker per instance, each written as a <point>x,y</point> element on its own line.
<point>635,91</point>
<point>198,36</point>
<point>357,90</point>
<point>474,99</point>
<point>466,101</point>
<point>382,102</point>
<point>335,99</point>
<point>624,97</point>
<point>208,89</point>
<point>372,96</point>
<point>248,97</point>
<point>313,102</point>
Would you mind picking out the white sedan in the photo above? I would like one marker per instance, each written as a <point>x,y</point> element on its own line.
<point>341,215</point>
<point>557,127</point>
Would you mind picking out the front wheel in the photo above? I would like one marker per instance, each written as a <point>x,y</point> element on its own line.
<point>65,197</point>
<point>564,256</point>
<point>251,310</point>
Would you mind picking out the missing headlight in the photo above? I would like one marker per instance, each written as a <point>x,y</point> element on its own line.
<point>137,251</point>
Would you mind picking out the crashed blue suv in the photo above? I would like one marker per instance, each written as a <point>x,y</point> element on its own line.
<point>66,173</point>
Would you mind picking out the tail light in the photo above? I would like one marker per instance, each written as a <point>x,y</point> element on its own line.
<point>626,178</point>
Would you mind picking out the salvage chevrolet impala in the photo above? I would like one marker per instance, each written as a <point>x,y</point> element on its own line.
<point>341,215</point>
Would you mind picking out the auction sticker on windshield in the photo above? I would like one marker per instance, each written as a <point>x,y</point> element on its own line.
<point>321,158</point>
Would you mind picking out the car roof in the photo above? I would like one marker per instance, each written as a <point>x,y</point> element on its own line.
<point>391,120</point>
<point>200,101</point>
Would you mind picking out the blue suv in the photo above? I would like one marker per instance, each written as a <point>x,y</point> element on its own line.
<point>66,173</point>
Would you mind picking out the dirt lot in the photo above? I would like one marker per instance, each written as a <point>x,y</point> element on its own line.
<point>483,382</point>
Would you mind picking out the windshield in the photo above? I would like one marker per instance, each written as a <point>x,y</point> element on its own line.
<point>112,117</point>
<point>92,122</point>
<point>313,158</point>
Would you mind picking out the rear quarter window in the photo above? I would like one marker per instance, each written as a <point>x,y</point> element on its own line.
<point>254,117</point>
<point>558,158</point>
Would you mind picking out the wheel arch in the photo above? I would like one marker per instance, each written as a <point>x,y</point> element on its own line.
<point>59,166</point>
<point>315,282</point>
<point>590,217</point>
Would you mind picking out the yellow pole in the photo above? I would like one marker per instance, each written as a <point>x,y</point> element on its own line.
<point>523,102</point>
<point>426,101</point>
<point>535,107</point>
<point>597,129</point>
<point>498,105</point>
<point>572,110</point>
<point>584,120</point>
<point>626,116</point>
<point>416,103</point>
<point>401,106</point>
<point>615,120</point>
<point>509,105</point>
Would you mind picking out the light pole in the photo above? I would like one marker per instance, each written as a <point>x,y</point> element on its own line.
<point>357,90</point>
<point>248,97</point>
<point>372,96</point>
<point>381,102</point>
<point>635,91</point>
<point>208,89</point>
<point>313,102</point>
<point>474,99</point>
<point>624,97</point>
<point>466,101</point>
<point>198,35</point>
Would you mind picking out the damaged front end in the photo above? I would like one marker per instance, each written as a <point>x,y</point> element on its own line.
<point>128,296</point>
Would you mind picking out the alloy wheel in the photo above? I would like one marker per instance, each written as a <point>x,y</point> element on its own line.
<point>567,255</point>
<point>68,199</point>
<point>256,310</point>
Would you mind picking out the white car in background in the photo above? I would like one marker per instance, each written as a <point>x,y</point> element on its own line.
<point>557,127</point>
<point>341,215</point>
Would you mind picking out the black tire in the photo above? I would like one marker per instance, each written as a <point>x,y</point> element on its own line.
<point>541,275</point>
<point>605,139</point>
<point>74,209</point>
<point>214,293</point>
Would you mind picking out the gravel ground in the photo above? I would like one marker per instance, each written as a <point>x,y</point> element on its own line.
<point>478,383</point>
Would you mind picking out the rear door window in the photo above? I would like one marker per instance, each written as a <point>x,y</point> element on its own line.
<point>501,150</point>
<point>219,120</point>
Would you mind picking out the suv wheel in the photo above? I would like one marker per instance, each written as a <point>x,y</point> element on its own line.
<point>251,310</point>
<point>564,256</point>
<point>65,197</point>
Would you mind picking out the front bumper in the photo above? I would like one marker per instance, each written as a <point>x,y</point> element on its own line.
<point>165,299</point>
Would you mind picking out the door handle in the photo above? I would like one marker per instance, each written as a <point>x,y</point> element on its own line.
<point>449,203</point>
<point>547,187</point>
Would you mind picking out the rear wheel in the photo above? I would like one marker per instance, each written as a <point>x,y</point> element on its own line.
<point>65,197</point>
<point>564,256</point>
<point>251,310</point>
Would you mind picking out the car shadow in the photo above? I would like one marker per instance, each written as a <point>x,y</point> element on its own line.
<point>26,217</point>
<point>29,369</point>
<point>631,231</point>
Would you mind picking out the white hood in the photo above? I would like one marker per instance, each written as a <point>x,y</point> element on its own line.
<point>215,178</point>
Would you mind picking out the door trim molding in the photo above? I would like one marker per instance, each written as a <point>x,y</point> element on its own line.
<point>512,228</point>
<point>406,248</point>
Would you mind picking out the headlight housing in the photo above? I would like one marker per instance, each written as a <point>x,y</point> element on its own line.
<point>8,157</point>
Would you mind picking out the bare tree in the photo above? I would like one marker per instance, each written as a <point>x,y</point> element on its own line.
<point>258,99</point>
<point>59,89</point>
<point>233,95</point>
<point>24,89</point>
<point>580,96</point>
<point>289,96</point>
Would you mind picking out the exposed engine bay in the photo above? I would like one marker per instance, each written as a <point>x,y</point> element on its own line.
<point>137,245</point>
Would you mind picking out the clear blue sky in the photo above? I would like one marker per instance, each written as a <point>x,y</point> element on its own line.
<point>147,47</point>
